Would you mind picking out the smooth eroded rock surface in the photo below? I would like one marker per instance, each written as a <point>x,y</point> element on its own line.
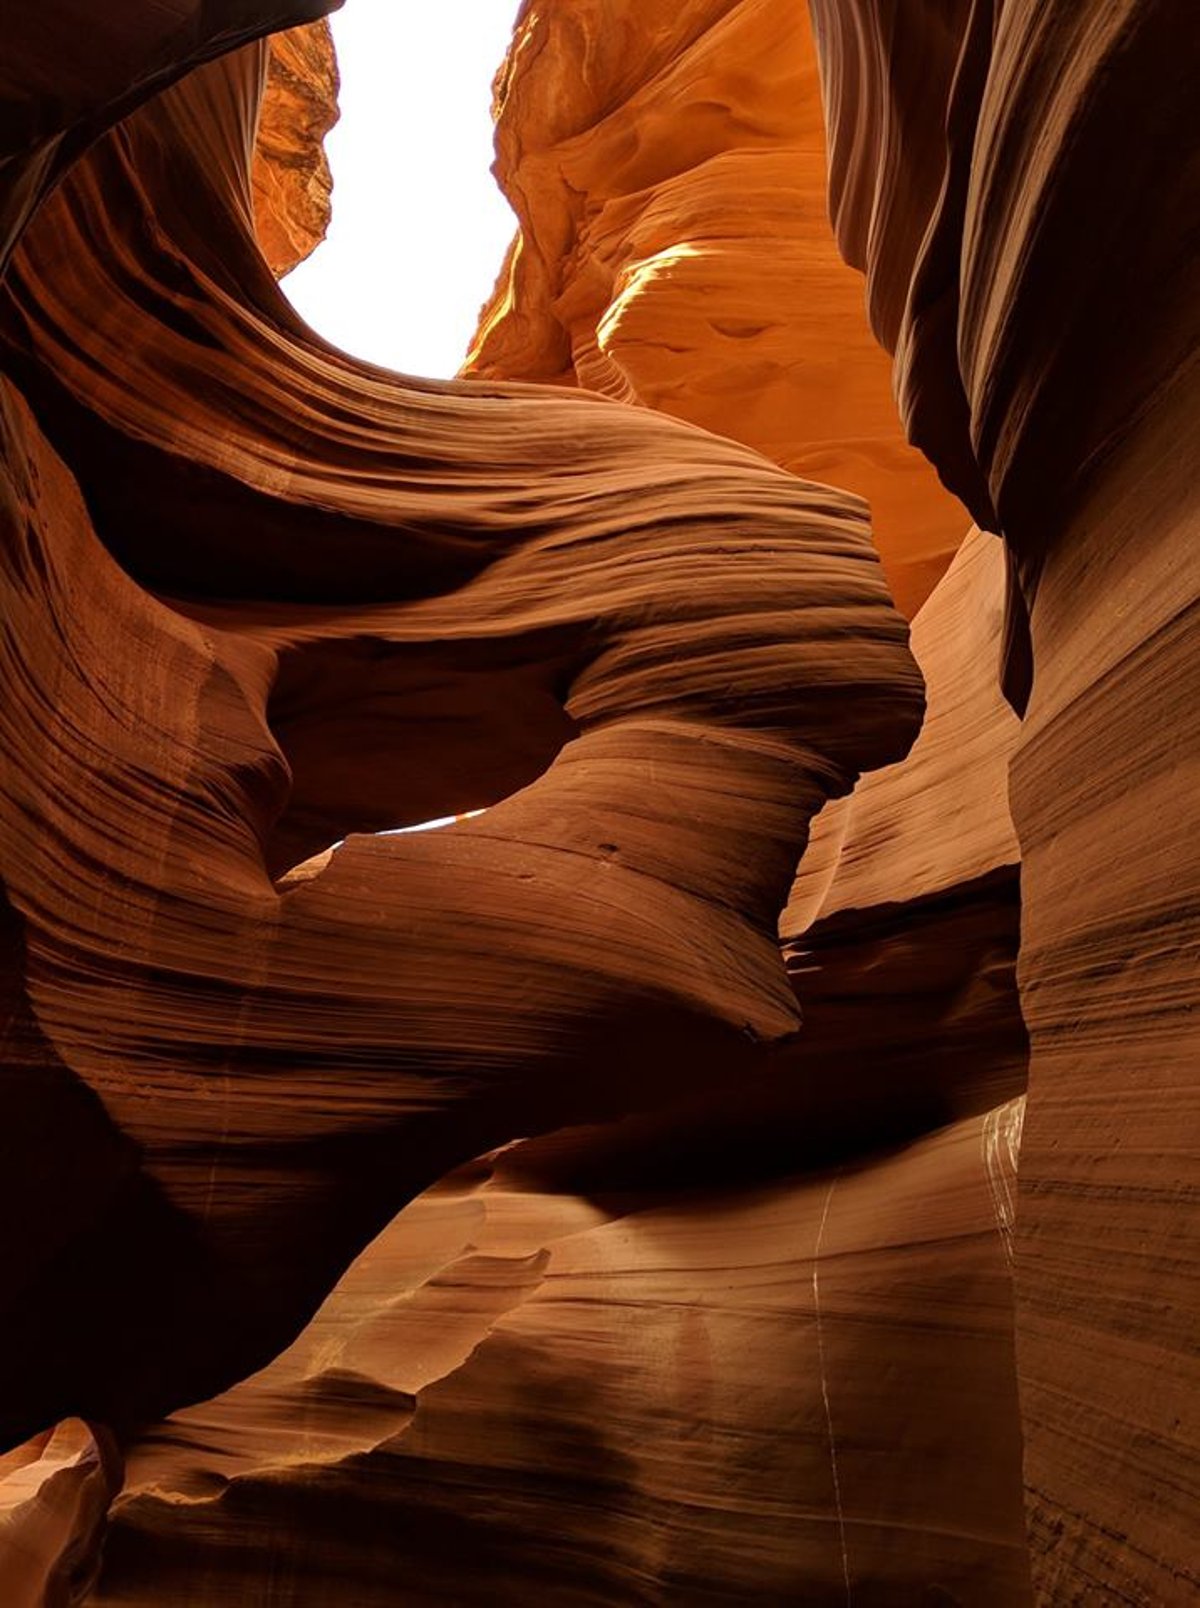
<point>681,1357</point>
<point>262,599</point>
<point>1028,235</point>
<point>667,166</point>
<point>630,1193</point>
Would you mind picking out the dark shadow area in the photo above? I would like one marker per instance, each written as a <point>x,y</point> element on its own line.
<point>911,1021</point>
<point>380,734</point>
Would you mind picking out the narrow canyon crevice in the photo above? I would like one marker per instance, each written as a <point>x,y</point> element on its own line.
<point>753,1162</point>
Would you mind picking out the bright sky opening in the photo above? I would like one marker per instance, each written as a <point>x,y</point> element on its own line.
<point>419,226</point>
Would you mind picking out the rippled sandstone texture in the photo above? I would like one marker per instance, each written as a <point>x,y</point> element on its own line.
<point>683,1357</point>
<point>1036,275</point>
<point>738,1326</point>
<point>260,599</point>
<point>312,631</point>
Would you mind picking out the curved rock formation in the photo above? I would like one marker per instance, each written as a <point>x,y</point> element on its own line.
<point>667,167</point>
<point>685,1356</point>
<point>54,1498</point>
<point>612,1401</point>
<point>726,1311</point>
<point>1036,273</point>
<point>70,71</point>
<point>273,535</point>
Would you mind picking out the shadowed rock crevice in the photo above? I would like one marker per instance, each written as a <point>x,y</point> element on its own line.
<point>379,736</point>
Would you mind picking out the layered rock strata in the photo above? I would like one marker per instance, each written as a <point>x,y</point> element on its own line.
<point>1020,184</point>
<point>739,1325</point>
<point>753,1348</point>
<point>262,599</point>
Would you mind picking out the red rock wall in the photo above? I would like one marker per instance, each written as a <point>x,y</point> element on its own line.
<point>260,597</point>
<point>738,1326</point>
<point>1036,274</point>
<point>687,1354</point>
<point>212,775</point>
<point>595,1401</point>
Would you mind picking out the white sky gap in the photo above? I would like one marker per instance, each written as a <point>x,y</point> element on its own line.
<point>419,225</point>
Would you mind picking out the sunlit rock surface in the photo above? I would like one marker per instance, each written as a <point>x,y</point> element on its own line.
<point>530,1211</point>
<point>55,1492</point>
<point>667,167</point>
<point>290,174</point>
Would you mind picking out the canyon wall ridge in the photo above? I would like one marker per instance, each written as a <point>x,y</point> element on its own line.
<point>753,1161</point>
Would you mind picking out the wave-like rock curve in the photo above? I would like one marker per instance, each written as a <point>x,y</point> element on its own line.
<point>701,650</point>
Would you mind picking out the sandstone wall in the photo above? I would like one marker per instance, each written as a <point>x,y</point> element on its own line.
<point>685,1356</point>
<point>290,174</point>
<point>517,1212</point>
<point>1036,274</point>
<point>262,599</point>
<point>667,167</point>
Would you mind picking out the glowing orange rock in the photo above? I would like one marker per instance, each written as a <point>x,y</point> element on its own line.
<point>291,178</point>
<point>667,166</point>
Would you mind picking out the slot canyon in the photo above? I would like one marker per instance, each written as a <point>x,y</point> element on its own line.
<point>750,1155</point>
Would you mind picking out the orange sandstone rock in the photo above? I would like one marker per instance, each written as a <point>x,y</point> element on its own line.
<point>289,1059</point>
<point>738,1324</point>
<point>685,1354</point>
<point>524,1390</point>
<point>70,70</point>
<point>54,1496</point>
<point>290,175</point>
<point>667,166</point>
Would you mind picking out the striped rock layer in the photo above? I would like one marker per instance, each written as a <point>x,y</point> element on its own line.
<point>1019,182</point>
<point>614,1197</point>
